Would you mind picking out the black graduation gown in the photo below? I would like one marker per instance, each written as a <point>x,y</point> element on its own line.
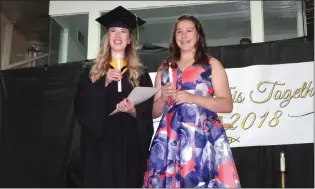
<point>114,149</point>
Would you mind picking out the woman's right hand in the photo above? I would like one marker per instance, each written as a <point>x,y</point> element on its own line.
<point>113,75</point>
<point>168,91</point>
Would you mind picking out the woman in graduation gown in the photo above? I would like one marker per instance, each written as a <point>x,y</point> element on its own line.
<point>114,148</point>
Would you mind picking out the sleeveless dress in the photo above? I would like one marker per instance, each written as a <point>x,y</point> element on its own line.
<point>190,147</point>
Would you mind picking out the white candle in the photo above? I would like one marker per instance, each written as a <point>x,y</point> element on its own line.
<point>119,68</point>
<point>282,162</point>
<point>170,73</point>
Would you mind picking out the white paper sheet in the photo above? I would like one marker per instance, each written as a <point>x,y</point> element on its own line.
<point>138,95</point>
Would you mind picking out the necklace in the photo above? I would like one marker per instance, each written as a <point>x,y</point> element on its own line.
<point>182,65</point>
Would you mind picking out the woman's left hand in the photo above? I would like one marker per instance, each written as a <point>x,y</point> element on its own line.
<point>183,97</point>
<point>126,106</point>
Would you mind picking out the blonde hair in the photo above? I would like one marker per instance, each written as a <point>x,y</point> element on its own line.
<point>103,59</point>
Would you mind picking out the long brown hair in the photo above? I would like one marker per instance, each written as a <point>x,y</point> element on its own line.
<point>104,57</point>
<point>201,57</point>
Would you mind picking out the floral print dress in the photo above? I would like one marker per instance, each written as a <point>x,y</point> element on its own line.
<point>190,147</point>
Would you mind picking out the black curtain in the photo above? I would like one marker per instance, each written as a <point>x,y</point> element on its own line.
<point>39,137</point>
<point>259,166</point>
<point>37,125</point>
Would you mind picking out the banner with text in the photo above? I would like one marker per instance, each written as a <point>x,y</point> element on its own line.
<point>273,104</point>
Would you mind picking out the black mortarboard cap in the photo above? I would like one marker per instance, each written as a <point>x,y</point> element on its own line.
<point>120,17</point>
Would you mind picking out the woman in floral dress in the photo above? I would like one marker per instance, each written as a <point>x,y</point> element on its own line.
<point>190,147</point>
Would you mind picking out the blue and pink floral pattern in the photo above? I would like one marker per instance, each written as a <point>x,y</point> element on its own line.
<point>190,147</point>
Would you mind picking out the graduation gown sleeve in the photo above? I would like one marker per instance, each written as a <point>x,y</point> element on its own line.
<point>144,118</point>
<point>89,104</point>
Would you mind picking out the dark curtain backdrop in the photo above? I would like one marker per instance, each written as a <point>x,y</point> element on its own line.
<point>39,136</point>
<point>37,125</point>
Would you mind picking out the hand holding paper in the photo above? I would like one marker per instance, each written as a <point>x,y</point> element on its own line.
<point>139,95</point>
<point>126,106</point>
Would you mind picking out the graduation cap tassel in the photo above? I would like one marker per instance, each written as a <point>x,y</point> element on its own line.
<point>137,35</point>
